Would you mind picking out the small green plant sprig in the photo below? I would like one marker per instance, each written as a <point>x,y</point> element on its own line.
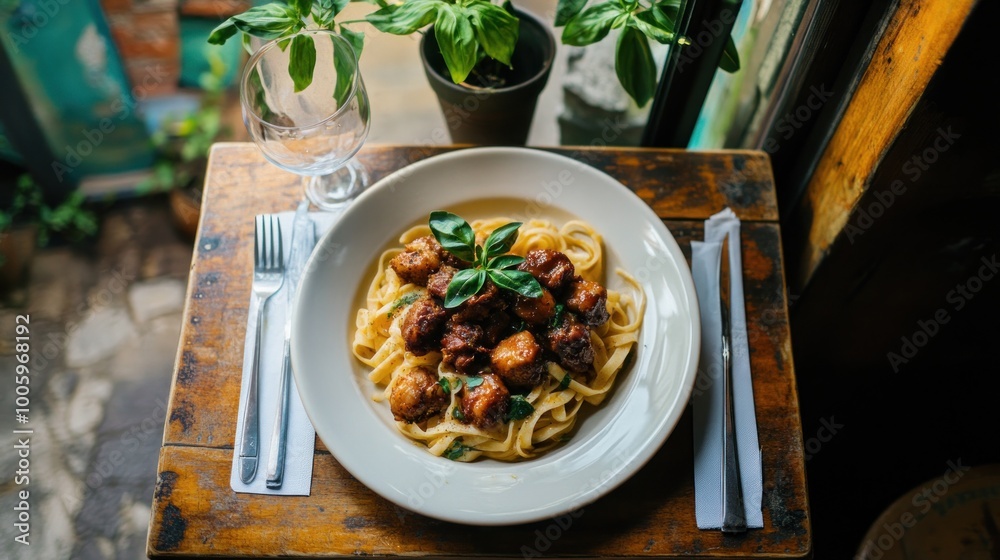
<point>656,20</point>
<point>467,31</point>
<point>284,20</point>
<point>69,219</point>
<point>489,260</point>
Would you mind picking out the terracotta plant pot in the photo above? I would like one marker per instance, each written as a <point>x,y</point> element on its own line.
<point>185,209</point>
<point>500,115</point>
<point>17,247</point>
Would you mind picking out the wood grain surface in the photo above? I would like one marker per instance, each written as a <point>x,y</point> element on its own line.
<point>195,513</point>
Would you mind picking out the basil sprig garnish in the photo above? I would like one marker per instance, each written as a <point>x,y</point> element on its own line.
<point>489,260</point>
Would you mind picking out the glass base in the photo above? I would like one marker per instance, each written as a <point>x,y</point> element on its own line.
<point>338,189</point>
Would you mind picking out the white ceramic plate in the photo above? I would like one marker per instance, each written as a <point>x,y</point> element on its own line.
<point>612,441</point>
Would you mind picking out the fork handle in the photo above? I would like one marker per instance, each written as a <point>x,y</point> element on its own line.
<point>249,443</point>
<point>276,455</point>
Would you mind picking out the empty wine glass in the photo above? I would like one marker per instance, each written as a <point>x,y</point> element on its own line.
<point>310,132</point>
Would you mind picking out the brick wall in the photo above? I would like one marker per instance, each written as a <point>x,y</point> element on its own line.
<point>147,34</point>
<point>148,38</point>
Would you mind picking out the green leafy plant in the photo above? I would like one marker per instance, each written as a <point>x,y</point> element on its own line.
<point>471,32</point>
<point>182,143</point>
<point>639,22</point>
<point>467,31</point>
<point>489,260</point>
<point>68,219</point>
<point>284,20</point>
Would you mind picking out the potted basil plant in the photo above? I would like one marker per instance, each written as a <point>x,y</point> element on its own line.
<point>486,63</point>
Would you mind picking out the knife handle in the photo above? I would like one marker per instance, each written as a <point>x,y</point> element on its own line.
<point>276,454</point>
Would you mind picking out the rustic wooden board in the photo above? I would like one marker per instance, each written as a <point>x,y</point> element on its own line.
<point>652,515</point>
<point>908,54</point>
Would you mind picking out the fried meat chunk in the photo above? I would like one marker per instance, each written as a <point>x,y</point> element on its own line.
<point>589,300</point>
<point>423,325</point>
<point>462,347</point>
<point>552,268</point>
<point>421,258</point>
<point>535,311</point>
<point>570,341</point>
<point>518,360</point>
<point>485,405</point>
<point>416,396</point>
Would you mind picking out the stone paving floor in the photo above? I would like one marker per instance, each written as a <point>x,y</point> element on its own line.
<point>104,326</point>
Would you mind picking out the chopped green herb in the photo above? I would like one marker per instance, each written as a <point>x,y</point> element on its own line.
<point>456,450</point>
<point>519,409</point>
<point>403,301</point>
<point>473,382</point>
<point>564,438</point>
<point>558,318</point>
<point>443,382</point>
<point>456,384</point>
<point>456,413</point>
<point>565,382</point>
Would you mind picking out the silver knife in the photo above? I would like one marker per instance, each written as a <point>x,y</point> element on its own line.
<point>303,241</point>
<point>733,513</point>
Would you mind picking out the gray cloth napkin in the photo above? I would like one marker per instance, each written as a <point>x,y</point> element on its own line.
<point>301,435</point>
<point>707,399</point>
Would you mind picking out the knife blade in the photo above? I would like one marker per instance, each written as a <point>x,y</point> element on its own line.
<point>733,513</point>
<point>303,241</point>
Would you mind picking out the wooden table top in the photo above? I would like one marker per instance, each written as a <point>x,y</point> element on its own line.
<point>195,513</point>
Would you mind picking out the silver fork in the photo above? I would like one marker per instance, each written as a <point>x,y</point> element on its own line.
<point>268,274</point>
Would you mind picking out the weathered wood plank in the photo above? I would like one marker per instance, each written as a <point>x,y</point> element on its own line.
<point>909,52</point>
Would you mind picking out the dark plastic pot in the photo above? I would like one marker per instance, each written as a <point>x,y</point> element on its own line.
<point>494,116</point>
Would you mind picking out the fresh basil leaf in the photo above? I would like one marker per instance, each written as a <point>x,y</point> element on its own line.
<point>445,385</point>
<point>304,7</point>
<point>465,284</point>
<point>302,61</point>
<point>501,240</point>
<point>456,413</point>
<point>646,22</point>
<point>405,18</point>
<point>474,381</point>
<point>558,317</point>
<point>665,14</point>
<point>505,261</point>
<point>223,32</point>
<point>730,61</point>
<point>247,44</point>
<point>346,66</point>
<point>564,382</point>
<point>355,38</point>
<point>634,65</point>
<point>454,234</point>
<point>591,25</point>
<point>457,41</point>
<point>495,29</point>
<point>519,408</point>
<point>269,21</point>
<point>322,13</point>
<point>479,255</point>
<point>516,281</point>
<point>567,9</point>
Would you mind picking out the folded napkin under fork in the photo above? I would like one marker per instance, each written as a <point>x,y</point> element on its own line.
<point>301,436</point>
<point>707,400</point>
